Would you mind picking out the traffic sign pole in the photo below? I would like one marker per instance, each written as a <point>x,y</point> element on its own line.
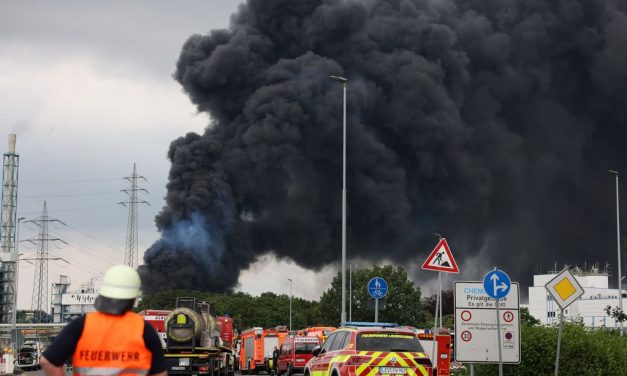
<point>564,289</point>
<point>497,284</point>
<point>436,329</point>
<point>559,342</point>
<point>440,260</point>
<point>376,310</point>
<point>498,334</point>
<point>440,289</point>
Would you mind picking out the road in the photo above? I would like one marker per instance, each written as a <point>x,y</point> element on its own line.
<point>67,373</point>
<point>41,373</point>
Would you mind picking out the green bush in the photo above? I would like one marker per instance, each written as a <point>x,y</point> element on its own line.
<point>584,352</point>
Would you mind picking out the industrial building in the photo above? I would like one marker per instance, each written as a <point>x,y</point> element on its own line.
<point>589,309</point>
<point>67,304</point>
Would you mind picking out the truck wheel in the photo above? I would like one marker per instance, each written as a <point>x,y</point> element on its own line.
<point>224,369</point>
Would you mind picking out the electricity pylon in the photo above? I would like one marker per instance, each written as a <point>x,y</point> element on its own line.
<point>131,256</point>
<point>40,286</point>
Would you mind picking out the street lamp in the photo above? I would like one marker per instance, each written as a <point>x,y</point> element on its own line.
<point>344,82</point>
<point>289,279</point>
<point>15,281</point>
<point>620,289</point>
<point>350,292</point>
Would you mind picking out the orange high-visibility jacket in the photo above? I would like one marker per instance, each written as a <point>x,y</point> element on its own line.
<point>112,345</point>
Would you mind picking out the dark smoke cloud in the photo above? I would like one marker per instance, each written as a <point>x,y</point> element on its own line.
<point>493,123</point>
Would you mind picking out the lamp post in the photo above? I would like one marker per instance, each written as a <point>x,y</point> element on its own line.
<point>350,292</point>
<point>620,289</point>
<point>344,82</point>
<point>289,279</point>
<point>15,281</point>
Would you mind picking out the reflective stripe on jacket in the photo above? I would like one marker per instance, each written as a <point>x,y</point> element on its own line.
<point>112,345</point>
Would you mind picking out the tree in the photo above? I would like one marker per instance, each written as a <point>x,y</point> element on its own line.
<point>267,310</point>
<point>402,304</point>
<point>616,313</point>
<point>526,318</point>
<point>448,303</point>
<point>167,298</point>
<point>584,351</point>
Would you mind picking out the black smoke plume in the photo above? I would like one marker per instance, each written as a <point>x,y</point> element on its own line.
<point>491,122</point>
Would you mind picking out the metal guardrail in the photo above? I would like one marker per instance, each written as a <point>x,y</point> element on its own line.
<point>34,325</point>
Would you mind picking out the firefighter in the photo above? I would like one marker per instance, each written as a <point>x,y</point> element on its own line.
<point>275,360</point>
<point>112,340</point>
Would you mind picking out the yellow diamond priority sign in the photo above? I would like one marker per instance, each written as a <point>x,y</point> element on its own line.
<point>564,288</point>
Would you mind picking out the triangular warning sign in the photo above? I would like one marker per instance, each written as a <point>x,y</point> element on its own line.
<point>441,259</point>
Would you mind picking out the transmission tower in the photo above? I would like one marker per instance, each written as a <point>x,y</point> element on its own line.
<point>40,285</point>
<point>131,256</point>
<point>8,222</point>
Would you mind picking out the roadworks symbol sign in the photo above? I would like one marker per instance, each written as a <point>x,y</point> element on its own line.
<point>441,259</point>
<point>564,288</point>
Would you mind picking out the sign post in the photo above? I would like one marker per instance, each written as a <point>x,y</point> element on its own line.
<point>440,260</point>
<point>497,285</point>
<point>559,342</point>
<point>564,289</point>
<point>377,288</point>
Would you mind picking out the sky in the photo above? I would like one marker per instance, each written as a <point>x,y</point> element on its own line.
<point>88,89</point>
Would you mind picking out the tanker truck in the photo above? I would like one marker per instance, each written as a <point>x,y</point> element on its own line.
<point>193,345</point>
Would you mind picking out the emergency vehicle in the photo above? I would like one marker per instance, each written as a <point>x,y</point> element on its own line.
<point>156,318</point>
<point>256,347</point>
<point>295,353</point>
<point>322,332</point>
<point>443,348</point>
<point>361,349</point>
<point>197,342</point>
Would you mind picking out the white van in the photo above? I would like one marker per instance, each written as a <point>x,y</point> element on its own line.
<point>28,355</point>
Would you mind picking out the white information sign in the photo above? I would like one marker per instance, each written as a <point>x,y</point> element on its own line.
<point>476,327</point>
<point>78,299</point>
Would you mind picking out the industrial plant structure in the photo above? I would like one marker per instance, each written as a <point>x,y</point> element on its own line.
<point>8,220</point>
<point>589,309</point>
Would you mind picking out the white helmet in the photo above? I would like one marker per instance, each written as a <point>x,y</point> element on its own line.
<point>120,282</point>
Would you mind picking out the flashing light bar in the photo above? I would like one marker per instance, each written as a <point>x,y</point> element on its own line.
<point>370,324</point>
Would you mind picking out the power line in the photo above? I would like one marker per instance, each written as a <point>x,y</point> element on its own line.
<point>112,260</point>
<point>72,210</point>
<point>115,248</point>
<point>73,181</point>
<point>71,195</point>
<point>83,266</point>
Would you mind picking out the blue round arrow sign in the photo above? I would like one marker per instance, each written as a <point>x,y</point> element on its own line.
<point>377,287</point>
<point>496,284</point>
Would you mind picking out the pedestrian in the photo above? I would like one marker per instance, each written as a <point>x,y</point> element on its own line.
<point>111,341</point>
<point>275,360</point>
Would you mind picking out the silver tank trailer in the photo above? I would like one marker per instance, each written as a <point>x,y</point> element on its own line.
<point>205,329</point>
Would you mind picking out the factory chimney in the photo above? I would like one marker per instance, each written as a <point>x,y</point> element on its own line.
<point>8,228</point>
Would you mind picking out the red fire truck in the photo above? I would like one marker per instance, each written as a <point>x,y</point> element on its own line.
<point>256,347</point>
<point>156,318</point>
